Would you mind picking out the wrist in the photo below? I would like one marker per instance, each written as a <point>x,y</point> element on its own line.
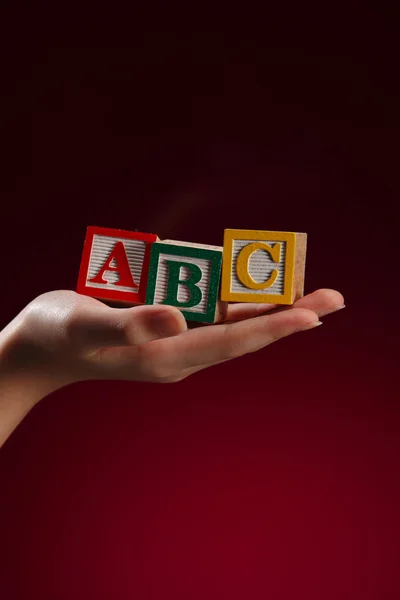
<point>21,381</point>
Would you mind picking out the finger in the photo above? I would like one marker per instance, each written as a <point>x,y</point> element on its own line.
<point>237,312</point>
<point>323,302</point>
<point>95,327</point>
<point>224,342</point>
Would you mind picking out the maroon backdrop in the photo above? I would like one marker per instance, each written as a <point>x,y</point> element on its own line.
<point>275,476</point>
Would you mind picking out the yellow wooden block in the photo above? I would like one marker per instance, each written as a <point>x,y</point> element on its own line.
<point>263,266</point>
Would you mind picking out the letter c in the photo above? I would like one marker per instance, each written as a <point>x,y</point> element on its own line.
<point>242,265</point>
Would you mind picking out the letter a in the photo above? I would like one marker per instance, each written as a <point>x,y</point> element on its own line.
<point>117,254</point>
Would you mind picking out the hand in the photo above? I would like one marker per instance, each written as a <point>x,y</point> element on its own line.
<point>62,337</point>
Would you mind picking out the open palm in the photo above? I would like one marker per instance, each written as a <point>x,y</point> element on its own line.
<point>67,337</point>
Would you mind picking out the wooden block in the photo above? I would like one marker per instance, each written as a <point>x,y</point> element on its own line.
<point>187,275</point>
<point>115,265</point>
<point>263,266</point>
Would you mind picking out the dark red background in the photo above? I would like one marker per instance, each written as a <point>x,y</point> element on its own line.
<point>275,476</point>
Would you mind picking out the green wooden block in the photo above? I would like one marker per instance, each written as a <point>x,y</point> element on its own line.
<point>187,276</point>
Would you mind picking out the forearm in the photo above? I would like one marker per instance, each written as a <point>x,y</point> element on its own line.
<point>14,405</point>
<point>20,389</point>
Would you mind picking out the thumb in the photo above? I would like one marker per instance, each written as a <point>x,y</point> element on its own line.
<point>106,327</point>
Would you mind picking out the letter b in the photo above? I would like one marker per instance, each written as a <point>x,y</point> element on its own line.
<point>174,280</point>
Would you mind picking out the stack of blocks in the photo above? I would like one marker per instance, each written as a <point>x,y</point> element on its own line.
<point>128,268</point>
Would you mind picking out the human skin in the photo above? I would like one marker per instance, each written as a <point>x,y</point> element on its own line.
<point>62,337</point>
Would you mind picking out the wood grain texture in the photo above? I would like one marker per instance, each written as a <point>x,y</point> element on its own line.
<point>263,266</point>
<point>299,265</point>
<point>177,268</point>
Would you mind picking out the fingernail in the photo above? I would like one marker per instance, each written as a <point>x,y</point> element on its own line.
<point>314,324</point>
<point>165,324</point>
<point>339,306</point>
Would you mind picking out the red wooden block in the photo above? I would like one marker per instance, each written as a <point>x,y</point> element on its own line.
<point>115,265</point>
